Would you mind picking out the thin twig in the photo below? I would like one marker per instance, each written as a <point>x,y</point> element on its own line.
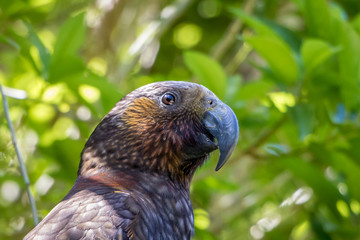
<point>100,36</point>
<point>238,58</point>
<point>156,30</point>
<point>228,39</point>
<point>230,36</point>
<point>21,162</point>
<point>263,137</point>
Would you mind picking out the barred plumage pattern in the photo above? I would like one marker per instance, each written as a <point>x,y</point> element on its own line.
<point>136,168</point>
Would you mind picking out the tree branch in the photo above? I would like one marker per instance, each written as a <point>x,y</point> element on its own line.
<point>21,162</point>
<point>152,33</point>
<point>230,36</point>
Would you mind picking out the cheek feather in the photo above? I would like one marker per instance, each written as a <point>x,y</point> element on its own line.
<point>151,132</point>
<point>140,114</point>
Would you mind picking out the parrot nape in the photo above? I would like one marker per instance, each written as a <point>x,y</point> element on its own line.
<point>136,167</point>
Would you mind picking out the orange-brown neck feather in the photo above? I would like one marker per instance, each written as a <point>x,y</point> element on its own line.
<point>148,139</point>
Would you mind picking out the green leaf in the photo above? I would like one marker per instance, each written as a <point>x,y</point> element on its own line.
<point>351,171</point>
<point>208,71</point>
<point>314,52</point>
<point>65,60</point>
<point>261,28</point>
<point>220,185</point>
<point>109,92</point>
<point>288,36</point>
<point>254,90</point>
<point>23,43</point>
<point>233,86</point>
<point>278,55</point>
<point>265,27</point>
<point>43,51</point>
<point>304,117</point>
<point>318,18</point>
<point>9,41</point>
<point>271,47</point>
<point>70,37</point>
<point>356,23</point>
<point>68,66</point>
<point>65,152</point>
<point>349,56</point>
<point>349,63</point>
<point>341,163</point>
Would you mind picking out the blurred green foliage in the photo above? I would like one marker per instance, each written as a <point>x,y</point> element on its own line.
<point>289,69</point>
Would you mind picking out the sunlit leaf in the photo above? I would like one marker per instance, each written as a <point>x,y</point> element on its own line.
<point>282,100</point>
<point>254,90</point>
<point>109,94</point>
<point>41,113</point>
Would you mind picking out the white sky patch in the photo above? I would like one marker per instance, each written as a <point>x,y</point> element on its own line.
<point>343,189</point>
<point>73,132</point>
<point>15,93</point>
<point>145,38</point>
<point>10,191</point>
<point>269,223</point>
<point>83,113</point>
<point>31,139</point>
<point>300,196</point>
<point>106,5</point>
<point>256,232</point>
<point>43,184</point>
<point>168,12</point>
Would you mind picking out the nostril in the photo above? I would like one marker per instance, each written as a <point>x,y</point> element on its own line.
<point>211,102</point>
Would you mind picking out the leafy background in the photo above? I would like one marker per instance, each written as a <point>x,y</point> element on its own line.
<point>290,69</point>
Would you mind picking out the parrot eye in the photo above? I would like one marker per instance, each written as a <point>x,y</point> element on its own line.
<point>168,99</point>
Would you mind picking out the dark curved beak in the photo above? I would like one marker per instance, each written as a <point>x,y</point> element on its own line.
<point>222,123</point>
